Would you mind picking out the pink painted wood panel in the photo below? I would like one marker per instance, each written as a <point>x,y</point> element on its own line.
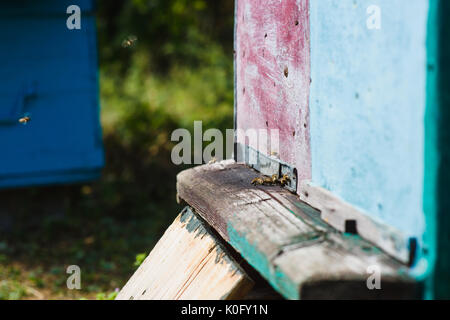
<point>273,76</point>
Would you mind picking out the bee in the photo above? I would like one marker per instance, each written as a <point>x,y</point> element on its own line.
<point>25,119</point>
<point>129,41</point>
<point>257,181</point>
<point>213,160</point>
<point>268,180</point>
<point>265,180</point>
<point>284,179</point>
<point>274,178</point>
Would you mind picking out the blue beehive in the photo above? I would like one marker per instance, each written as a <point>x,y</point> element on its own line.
<point>48,72</point>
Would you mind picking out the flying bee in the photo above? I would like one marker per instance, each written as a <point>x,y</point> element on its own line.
<point>129,41</point>
<point>258,181</point>
<point>284,179</point>
<point>25,119</point>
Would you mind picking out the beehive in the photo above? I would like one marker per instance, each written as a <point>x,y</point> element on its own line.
<point>50,74</point>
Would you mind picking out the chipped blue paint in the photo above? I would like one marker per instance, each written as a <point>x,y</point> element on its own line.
<point>260,262</point>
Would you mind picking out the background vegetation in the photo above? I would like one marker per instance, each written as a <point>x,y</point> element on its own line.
<point>178,70</point>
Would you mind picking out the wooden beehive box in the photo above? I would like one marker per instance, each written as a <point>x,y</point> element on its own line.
<point>49,74</point>
<point>357,93</point>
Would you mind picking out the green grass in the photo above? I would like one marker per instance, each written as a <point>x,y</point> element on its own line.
<point>102,226</point>
<point>180,70</point>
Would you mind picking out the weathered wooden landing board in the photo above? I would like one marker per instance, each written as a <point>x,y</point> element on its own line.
<point>187,263</point>
<point>285,240</point>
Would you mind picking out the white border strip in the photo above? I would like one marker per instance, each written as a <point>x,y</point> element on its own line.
<point>336,212</point>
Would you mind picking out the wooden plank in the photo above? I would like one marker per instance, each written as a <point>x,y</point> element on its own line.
<point>280,236</point>
<point>333,270</point>
<point>205,187</point>
<point>187,263</point>
<point>337,213</point>
<point>363,151</point>
<point>273,77</point>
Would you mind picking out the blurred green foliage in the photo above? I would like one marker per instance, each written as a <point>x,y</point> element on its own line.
<point>181,63</point>
<point>139,259</point>
<point>170,31</point>
<point>179,69</point>
<point>106,296</point>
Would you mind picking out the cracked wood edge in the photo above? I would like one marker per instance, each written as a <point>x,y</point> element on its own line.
<point>187,263</point>
<point>272,229</point>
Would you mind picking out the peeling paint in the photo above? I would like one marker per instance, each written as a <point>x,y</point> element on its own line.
<point>272,80</point>
<point>262,263</point>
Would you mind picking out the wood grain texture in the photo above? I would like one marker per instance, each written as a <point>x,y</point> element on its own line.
<point>283,238</point>
<point>273,76</point>
<point>187,263</point>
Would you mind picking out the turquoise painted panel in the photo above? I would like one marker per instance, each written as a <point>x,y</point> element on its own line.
<point>432,155</point>
<point>367,105</point>
<point>437,152</point>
